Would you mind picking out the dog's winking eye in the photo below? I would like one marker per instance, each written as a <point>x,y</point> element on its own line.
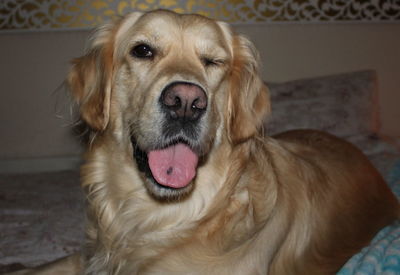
<point>142,51</point>
<point>208,62</point>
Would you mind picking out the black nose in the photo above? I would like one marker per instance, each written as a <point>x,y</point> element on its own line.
<point>183,100</point>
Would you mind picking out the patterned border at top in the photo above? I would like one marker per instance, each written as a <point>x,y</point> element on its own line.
<point>66,14</point>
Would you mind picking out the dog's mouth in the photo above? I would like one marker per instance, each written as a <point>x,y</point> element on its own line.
<point>171,167</point>
<point>174,166</point>
<point>169,159</point>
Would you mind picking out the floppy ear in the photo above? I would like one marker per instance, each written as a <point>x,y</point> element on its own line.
<point>248,98</point>
<point>90,80</point>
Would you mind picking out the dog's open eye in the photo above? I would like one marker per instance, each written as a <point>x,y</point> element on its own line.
<point>142,51</point>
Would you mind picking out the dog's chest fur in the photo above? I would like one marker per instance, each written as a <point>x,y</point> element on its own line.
<point>139,234</point>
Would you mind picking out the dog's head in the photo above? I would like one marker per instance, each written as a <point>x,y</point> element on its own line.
<point>173,87</point>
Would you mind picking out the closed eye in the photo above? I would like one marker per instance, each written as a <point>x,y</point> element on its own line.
<point>208,62</point>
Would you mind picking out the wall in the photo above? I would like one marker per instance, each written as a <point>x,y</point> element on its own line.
<point>34,64</point>
<point>294,51</point>
<point>34,110</point>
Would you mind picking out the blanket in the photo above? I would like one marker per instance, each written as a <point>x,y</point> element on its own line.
<point>382,256</point>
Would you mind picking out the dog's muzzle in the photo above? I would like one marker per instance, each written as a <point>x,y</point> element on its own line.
<point>173,163</point>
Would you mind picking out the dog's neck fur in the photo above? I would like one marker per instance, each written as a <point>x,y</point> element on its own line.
<point>147,237</point>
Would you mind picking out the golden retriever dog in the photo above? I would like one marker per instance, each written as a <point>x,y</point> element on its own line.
<point>181,177</point>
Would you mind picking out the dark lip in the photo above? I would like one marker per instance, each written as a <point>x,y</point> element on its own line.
<point>176,140</point>
<point>169,141</point>
<point>142,162</point>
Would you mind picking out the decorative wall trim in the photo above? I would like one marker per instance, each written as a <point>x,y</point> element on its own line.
<point>65,14</point>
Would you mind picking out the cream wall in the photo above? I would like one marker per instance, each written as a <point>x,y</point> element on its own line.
<point>34,64</point>
<point>294,51</point>
<point>32,67</point>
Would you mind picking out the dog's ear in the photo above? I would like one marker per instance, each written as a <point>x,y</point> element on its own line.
<point>90,81</point>
<point>91,76</point>
<point>248,97</point>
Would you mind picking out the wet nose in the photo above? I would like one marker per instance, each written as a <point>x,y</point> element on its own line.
<point>185,101</point>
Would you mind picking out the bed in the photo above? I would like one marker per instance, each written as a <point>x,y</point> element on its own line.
<point>42,215</point>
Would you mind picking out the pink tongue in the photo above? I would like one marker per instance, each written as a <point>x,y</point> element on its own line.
<point>174,166</point>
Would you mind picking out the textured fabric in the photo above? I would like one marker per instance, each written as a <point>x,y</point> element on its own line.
<point>342,105</point>
<point>382,256</point>
<point>41,217</point>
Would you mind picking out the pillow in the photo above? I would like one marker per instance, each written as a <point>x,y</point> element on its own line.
<point>344,105</point>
